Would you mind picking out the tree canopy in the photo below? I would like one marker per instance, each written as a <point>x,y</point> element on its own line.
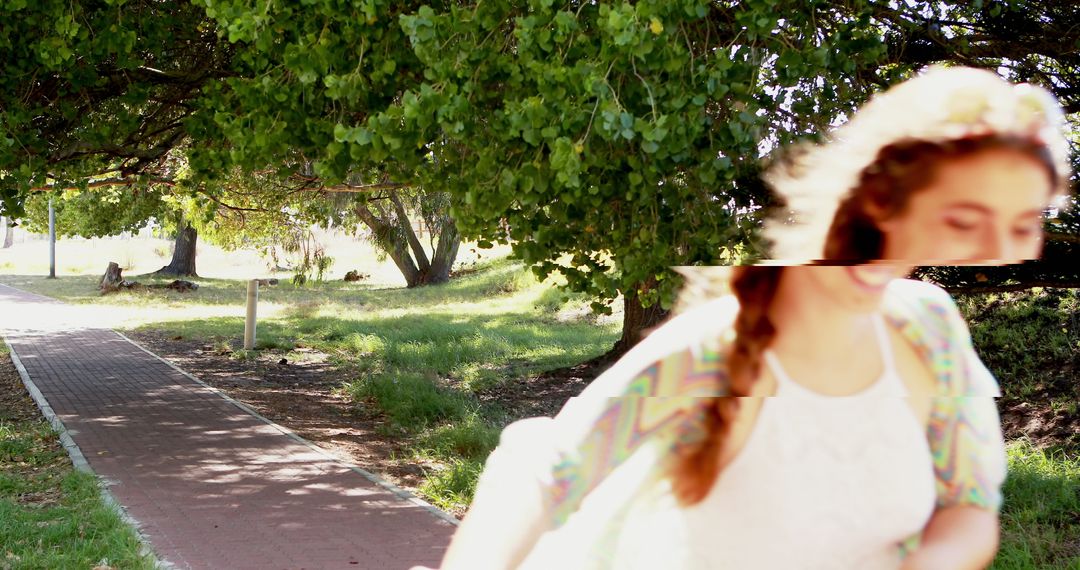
<point>606,141</point>
<point>98,90</point>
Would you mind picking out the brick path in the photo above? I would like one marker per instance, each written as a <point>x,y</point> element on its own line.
<point>211,485</point>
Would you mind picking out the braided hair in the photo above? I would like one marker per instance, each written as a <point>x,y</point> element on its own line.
<point>696,470</point>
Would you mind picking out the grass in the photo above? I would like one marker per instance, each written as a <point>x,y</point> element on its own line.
<point>1041,515</point>
<point>1030,339</point>
<point>52,516</point>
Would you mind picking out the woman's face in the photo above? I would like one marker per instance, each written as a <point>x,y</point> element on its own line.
<point>983,209</point>
<point>855,288</point>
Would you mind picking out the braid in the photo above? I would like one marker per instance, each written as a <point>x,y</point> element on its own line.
<point>696,471</point>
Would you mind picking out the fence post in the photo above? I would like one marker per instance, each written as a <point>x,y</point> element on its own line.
<point>249,323</point>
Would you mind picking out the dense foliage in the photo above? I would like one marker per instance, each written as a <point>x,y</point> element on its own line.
<point>97,89</point>
<point>605,140</point>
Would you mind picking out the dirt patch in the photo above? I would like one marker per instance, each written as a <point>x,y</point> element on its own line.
<point>15,402</point>
<point>1045,424</point>
<point>42,459</point>
<point>301,393</point>
<point>1049,415</point>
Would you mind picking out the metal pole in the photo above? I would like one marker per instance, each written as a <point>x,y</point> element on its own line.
<point>249,323</point>
<point>52,240</point>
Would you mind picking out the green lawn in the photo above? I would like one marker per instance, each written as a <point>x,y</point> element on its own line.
<point>1041,516</point>
<point>1031,340</point>
<point>52,516</point>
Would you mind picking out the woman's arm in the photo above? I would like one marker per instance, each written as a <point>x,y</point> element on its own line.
<point>966,442</point>
<point>506,518</point>
<point>510,509</point>
<point>957,538</point>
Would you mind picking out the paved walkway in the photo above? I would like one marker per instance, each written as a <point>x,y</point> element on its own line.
<point>211,485</point>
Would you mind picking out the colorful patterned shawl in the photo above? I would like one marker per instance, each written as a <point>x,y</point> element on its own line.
<point>662,405</point>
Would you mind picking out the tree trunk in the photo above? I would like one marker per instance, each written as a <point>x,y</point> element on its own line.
<point>636,321</point>
<point>401,243</point>
<point>7,232</point>
<point>445,255</point>
<point>183,259</point>
<point>419,255</point>
<point>396,248</point>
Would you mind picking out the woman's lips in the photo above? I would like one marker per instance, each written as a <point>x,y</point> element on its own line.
<point>871,278</point>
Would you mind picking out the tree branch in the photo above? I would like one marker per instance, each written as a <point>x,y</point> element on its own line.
<point>110,182</point>
<point>1069,238</point>
<point>979,289</point>
<point>360,188</point>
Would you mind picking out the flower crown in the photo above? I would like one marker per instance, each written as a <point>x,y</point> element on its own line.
<point>943,104</point>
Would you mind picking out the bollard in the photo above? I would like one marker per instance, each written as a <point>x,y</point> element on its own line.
<point>249,323</point>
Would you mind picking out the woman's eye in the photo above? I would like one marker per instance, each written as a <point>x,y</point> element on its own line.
<point>1027,231</point>
<point>960,225</point>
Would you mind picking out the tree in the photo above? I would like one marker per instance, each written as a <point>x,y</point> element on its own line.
<point>387,216</point>
<point>605,140</point>
<point>115,210</point>
<point>7,230</point>
<point>184,251</point>
<point>261,209</point>
<point>609,135</point>
<point>299,81</point>
<point>618,139</point>
<point>98,90</point>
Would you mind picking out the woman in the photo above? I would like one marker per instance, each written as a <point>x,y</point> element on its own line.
<point>677,456</point>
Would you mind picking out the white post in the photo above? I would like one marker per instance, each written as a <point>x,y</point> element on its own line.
<point>249,323</point>
<point>52,240</point>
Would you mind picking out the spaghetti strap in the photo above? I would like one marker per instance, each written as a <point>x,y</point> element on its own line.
<point>889,380</point>
<point>777,370</point>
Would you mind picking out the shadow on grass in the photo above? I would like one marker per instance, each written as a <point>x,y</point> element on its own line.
<point>467,349</point>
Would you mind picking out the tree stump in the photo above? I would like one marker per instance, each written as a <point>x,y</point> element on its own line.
<point>112,280</point>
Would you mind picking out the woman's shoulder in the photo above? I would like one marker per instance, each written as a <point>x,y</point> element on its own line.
<point>916,290</point>
<point>923,306</point>
<point>929,319</point>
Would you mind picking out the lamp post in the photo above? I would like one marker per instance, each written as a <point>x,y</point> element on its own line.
<point>52,240</point>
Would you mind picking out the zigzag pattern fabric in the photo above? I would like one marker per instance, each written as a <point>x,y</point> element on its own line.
<point>663,405</point>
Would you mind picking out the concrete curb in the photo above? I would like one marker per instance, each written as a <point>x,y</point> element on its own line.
<point>78,460</point>
<point>397,491</point>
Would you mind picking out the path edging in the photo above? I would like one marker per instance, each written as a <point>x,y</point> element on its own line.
<point>394,489</point>
<point>79,461</point>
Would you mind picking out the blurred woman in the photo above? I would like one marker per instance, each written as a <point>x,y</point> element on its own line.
<point>816,417</point>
